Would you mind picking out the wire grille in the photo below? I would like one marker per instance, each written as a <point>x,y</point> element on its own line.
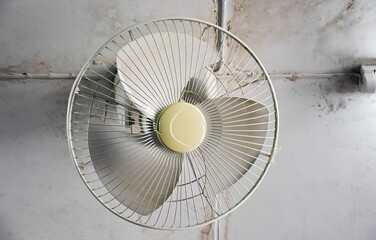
<point>115,103</point>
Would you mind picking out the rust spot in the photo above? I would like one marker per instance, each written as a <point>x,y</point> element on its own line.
<point>238,6</point>
<point>331,107</point>
<point>292,79</point>
<point>229,26</point>
<point>244,70</point>
<point>350,5</point>
<point>81,164</point>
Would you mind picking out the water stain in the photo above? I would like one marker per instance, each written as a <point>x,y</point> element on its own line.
<point>227,221</point>
<point>205,232</point>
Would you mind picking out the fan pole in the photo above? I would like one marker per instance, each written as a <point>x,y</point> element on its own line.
<point>220,22</point>
<point>215,227</point>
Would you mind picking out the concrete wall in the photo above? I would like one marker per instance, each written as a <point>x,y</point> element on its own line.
<point>59,36</point>
<point>41,194</point>
<point>308,36</point>
<point>321,185</point>
<point>289,36</point>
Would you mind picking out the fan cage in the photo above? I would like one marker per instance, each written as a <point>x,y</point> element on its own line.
<point>240,74</point>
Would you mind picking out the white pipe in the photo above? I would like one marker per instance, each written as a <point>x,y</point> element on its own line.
<point>73,75</point>
<point>314,75</point>
<point>37,76</point>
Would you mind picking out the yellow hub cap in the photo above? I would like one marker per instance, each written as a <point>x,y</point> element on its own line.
<point>181,127</point>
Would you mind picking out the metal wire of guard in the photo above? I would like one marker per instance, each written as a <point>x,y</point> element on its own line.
<point>115,103</point>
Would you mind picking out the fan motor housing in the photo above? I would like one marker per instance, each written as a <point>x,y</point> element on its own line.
<point>181,127</point>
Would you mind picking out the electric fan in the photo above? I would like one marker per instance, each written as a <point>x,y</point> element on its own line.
<point>171,126</point>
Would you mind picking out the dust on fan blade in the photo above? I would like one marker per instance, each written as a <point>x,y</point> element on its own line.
<point>137,172</point>
<point>237,128</point>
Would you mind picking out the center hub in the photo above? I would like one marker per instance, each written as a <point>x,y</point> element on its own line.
<point>181,127</point>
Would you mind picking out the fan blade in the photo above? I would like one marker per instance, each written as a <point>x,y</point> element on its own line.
<point>135,170</point>
<point>155,68</point>
<point>202,86</point>
<point>237,128</point>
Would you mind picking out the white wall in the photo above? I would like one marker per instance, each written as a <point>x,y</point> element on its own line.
<point>288,36</point>
<point>321,185</point>
<point>42,196</point>
<point>308,35</point>
<point>323,182</point>
<point>41,36</point>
